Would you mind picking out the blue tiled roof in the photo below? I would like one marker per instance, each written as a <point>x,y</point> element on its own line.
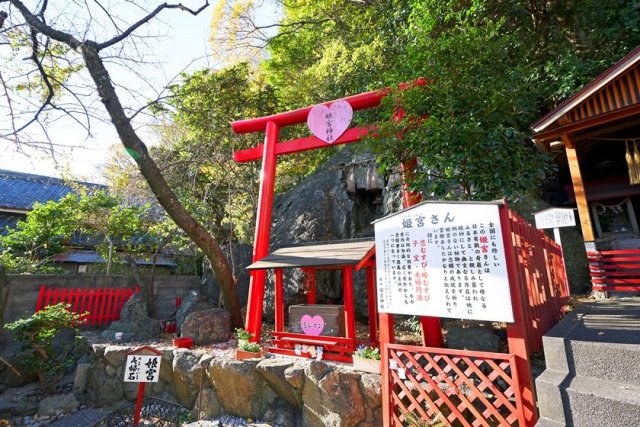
<point>21,190</point>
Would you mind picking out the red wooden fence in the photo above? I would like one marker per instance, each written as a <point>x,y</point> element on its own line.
<point>542,275</point>
<point>103,304</point>
<point>453,387</point>
<point>617,270</point>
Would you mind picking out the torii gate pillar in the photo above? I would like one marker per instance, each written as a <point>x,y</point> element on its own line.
<point>263,229</point>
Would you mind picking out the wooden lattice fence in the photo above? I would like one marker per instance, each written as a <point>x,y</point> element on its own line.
<point>453,387</point>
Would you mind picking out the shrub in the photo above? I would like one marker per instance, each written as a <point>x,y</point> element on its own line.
<point>243,341</point>
<point>36,334</point>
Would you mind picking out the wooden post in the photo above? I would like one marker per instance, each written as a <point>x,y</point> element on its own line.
<point>310,274</point>
<point>349,302</point>
<point>517,331</point>
<point>371,304</point>
<point>431,330</point>
<point>279,301</point>
<point>386,337</point>
<point>136,412</point>
<point>263,231</point>
<point>578,188</point>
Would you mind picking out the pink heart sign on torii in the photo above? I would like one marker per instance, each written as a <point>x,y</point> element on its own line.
<point>328,123</point>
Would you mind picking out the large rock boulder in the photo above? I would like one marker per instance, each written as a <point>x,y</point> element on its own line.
<point>239,255</point>
<point>273,371</point>
<point>473,338</point>
<point>134,323</point>
<point>208,326</point>
<point>187,376</point>
<point>332,397</point>
<point>207,404</point>
<point>240,386</point>
<point>371,387</point>
<point>8,376</point>
<point>61,402</point>
<point>193,302</point>
<point>104,388</point>
<point>341,199</point>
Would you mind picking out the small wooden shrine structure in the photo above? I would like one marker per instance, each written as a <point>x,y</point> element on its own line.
<point>595,138</point>
<point>311,325</point>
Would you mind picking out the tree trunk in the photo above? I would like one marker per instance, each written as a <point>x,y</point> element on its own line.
<point>148,295</point>
<point>4,293</point>
<point>165,196</point>
<point>110,259</point>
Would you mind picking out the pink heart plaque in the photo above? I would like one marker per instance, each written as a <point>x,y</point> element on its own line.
<point>312,325</point>
<point>328,123</point>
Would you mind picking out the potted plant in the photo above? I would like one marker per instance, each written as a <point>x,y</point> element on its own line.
<point>247,349</point>
<point>367,359</point>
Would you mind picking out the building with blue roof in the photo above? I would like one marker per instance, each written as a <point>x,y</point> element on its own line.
<point>20,191</point>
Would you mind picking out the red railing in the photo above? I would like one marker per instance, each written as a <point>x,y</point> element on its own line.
<point>541,273</point>
<point>452,387</point>
<point>616,270</point>
<point>102,304</point>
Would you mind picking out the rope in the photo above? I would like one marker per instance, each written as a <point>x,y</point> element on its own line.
<point>612,206</point>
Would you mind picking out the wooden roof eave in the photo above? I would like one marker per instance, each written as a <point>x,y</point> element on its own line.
<point>588,90</point>
<point>543,139</point>
<point>368,257</point>
<point>318,256</point>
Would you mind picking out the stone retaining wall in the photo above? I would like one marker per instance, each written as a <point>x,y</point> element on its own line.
<point>282,390</point>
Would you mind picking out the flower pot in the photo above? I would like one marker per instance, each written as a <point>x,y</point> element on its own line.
<point>184,342</point>
<point>366,365</point>
<point>243,355</point>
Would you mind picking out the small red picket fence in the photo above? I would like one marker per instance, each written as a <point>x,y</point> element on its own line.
<point>453,387</point>
<point>102,304</point>
<point>541,273</point>
<point>615,270</point>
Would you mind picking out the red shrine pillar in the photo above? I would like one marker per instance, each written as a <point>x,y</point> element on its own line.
<point>431,330</point>
<point>263,231</point>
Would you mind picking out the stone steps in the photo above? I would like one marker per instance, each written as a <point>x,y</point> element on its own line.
<point>592,359</point>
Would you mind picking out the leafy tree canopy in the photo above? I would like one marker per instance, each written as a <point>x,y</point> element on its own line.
<point>104,221</point>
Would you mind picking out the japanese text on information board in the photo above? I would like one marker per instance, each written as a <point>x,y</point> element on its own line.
<point>443,260</point>
<point>142,369</point>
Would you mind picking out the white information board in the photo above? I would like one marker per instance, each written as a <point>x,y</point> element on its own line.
<point>555,218</point>
<point>142,369</point>
<point>443,260</point>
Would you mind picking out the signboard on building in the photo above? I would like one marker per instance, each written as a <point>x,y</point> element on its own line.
<point>555,218</point>
<point>443,260</point>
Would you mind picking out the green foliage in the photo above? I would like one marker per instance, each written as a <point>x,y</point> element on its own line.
<point>366,352</point>
<point>252,347</point>
<point>243,341</point>
<point>104,220</point>
<point>243,335</point>
<point>35,336</point>
<point>494,67</point>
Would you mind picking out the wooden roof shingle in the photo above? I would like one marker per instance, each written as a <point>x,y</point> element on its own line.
<point>339,253</point>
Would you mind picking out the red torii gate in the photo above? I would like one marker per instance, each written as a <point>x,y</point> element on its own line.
<point>269,151</point>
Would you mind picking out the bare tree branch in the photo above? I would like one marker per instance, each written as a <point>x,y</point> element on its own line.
<point>147,18</point>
